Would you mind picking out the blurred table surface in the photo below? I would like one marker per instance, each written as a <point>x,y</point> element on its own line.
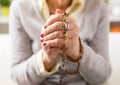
<point>5,59</point>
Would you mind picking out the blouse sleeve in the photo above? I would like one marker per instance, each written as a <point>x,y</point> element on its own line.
<point>24,68</point>
<point>95,66</point>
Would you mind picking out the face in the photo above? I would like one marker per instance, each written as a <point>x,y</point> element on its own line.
<point>61,3</point>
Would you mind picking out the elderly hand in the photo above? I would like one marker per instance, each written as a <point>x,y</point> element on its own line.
<point>52,39</point>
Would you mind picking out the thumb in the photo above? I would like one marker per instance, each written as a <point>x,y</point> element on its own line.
<point>58,11</point>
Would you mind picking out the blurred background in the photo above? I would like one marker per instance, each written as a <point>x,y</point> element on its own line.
<point>114,42</point>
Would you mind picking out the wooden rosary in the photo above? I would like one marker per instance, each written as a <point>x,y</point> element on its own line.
<point>65,56</point>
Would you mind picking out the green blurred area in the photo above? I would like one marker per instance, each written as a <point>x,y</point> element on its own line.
<point>4,7</point>
<point>107,1</point>
<point>5,2</point>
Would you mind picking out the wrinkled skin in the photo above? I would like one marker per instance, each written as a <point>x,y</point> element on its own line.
<point>52,39</point>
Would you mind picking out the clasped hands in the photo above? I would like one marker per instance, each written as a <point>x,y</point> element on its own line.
<point>52,39</point>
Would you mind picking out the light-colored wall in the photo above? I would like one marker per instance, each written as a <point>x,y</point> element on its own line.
<point>114,2</point>
<point>114,51</point>
<point>5,61</point>
<point>114,8</point>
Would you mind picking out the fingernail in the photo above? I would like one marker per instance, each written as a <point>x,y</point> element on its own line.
<point>42,40</point>
<point>45,26</point>
<point>42,35</point>
<point>44,44</point>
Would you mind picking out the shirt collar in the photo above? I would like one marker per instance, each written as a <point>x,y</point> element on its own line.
<point>75,9</point>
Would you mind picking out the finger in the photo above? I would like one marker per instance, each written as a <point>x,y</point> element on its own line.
<point>58,34</point>
<point>58,11</point>
<point>54,43</point>
<point>73,33</point>
<point>53,27</point>
<point>54,35</point>
<point>54,18</point>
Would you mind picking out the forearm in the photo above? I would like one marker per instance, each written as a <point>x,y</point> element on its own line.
<point>94,67</point>
<point>25,73</point>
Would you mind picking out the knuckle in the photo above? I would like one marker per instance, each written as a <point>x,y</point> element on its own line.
<point>57,25</point>
<point>56,18</point>
<point>57,33</point>
<point>60,24</point>
<point>48,44</point>
<point>46,38</point>
<point>59,41</point>
<point>60,16</point>
<point>45,32</point>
